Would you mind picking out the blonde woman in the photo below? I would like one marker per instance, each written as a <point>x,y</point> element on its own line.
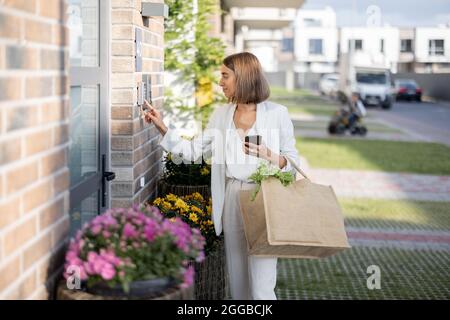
<point>233,161</point>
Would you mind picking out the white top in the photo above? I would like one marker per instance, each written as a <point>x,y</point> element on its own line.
<point>239,165</point>
<point>269,116</point>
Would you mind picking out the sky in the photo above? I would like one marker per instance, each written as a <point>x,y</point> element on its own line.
<point>401,13</point>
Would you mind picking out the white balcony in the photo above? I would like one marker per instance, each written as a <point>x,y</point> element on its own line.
<point>228,4</point>
<point>263,18</point>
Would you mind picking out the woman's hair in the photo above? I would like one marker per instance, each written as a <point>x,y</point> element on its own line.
<point>251,84</point>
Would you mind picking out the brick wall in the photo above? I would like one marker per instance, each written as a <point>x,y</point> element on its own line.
<point>34,137</point>
<point>134,143</point>
<point>34,121</point>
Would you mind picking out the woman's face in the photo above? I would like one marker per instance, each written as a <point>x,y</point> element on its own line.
<point>227,81</point>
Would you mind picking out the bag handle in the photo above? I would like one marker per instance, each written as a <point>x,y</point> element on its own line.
<point>296,166</point>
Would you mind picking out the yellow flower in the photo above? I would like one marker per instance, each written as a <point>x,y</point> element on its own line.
<point>196,209</point>
<point>197,196</point>
<point>193,217</point>
<point>180,204</point>
<point>204,171</point>
<point>171,197</point>
<point>208,209</point>
<point>157,201</point>
<point>166,205</point>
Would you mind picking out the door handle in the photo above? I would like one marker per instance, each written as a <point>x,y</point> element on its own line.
<point>109,175</point>
<point>106,176</point>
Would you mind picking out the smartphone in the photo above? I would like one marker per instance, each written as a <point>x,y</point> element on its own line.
<point>254,139</point>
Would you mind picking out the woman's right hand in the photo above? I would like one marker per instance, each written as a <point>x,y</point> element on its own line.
<point>153,115</point>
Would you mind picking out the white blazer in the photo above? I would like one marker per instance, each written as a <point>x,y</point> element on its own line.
<point>272,123</point>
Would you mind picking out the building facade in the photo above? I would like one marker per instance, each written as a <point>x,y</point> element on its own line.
<point>316,41</point>
<point>69,78</point>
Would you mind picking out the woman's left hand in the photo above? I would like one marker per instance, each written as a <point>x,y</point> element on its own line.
<point>260,151</point>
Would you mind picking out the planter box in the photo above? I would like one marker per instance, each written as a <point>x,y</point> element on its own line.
<point>211,280</point>
<point>63,293</point>
<point>164,188</point>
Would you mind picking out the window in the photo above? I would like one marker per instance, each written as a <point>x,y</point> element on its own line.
<point>287,45</point>
<point>358,44</point>
<point>406,45</point>
<point>310,22</point>
<point>382,45</point>
<point>371,78</point>
<point>315,46</point>
<point>436,48</point>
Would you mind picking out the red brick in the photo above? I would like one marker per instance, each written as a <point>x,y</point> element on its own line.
<point>11,150</point>
<point>24,5</point>
<point>20,177</point>
<point>10,26</point>
<point>38,250</point>
<point>21,117</point>
<point>61,182</point>
<point>37,31</point>
<point>19,235</point>
<point>53,162</point>
<point>38,142</point>
<point>37,87</point>
<point>9,212</point>
<point>11,88</point>
<point>51,214</point>
<point>10,272</point>
<point>51,9</point>
<point>37,196</point>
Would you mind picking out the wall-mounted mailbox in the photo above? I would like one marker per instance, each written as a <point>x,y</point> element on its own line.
<point>150,9</point>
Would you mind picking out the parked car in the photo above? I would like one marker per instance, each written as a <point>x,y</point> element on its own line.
<point>407,89</point>
<point>328,84</point>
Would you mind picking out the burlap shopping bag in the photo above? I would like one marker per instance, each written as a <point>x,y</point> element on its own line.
<point>301,220</point>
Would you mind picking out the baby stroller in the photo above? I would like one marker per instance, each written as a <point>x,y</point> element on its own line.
<point>349,118</point>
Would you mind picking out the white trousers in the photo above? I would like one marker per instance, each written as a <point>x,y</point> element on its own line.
<point>251,277</point>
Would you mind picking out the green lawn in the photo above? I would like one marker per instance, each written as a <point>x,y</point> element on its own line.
<point>396,214</point>
<point>280,92</point>
<point>322,125</point>
<point>303,102</point>
<point>388,156</point>
<point>317,110</point>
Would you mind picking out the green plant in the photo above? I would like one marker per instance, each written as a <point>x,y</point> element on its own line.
<point>128,244</point>
<point>180,173</point>
<point>266,171</point>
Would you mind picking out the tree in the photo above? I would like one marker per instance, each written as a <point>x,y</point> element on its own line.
<point>193,56</point>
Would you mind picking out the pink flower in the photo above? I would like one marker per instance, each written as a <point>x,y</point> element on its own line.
<point>108,272</point>
<point>129,231</point>
<point>96,229</point>
<point>188,277</point>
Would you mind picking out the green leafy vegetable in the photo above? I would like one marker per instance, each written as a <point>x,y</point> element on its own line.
<point>266,171</point>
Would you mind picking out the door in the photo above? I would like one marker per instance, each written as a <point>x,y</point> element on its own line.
<point>89,99</point>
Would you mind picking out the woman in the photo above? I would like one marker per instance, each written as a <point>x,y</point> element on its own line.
<point>233,161</point>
